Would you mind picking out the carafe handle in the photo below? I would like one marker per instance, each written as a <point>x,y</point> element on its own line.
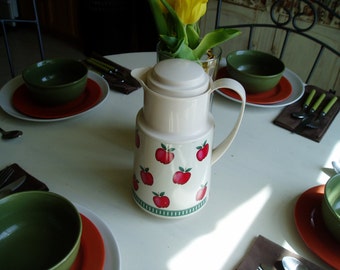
<point>220,149</point>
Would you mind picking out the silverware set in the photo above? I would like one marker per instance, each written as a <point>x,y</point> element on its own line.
<point>287,263</point>
<point>5,174</point>
<point>310,118</point>
<point>9,188</point>
<point>117,76</point>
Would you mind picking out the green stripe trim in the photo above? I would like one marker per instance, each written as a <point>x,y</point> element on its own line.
<point>169,213</point>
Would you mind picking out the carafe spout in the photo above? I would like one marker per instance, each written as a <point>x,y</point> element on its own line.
<point>140,74</point>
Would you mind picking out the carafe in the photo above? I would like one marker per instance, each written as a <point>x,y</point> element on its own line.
<point>174,137</point>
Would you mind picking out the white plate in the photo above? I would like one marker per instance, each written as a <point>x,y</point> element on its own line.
<point>9,88</point>
<point>298,90</point>
<point>112,261</point>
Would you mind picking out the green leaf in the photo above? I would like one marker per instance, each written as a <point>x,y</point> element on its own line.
<point>213,39</point>
<point>193,35</point>
<point>169,43</point>
<point>176,48</point>
<point>159,17</point>
<point>179,27</point>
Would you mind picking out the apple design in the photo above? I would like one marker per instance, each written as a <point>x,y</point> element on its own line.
<point>146,176</point>
<point>137,139</point>
<point>201,192</point>
<point>160,200</point>
<point>182,176</point>
<point>135,182</point>
<point>202,151</point>
<point>164,155</point>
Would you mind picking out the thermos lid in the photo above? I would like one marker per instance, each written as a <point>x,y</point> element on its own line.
<point>178,78</point>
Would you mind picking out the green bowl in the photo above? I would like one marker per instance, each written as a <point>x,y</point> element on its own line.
<point>38,230</point>
<point>55,81</point>
<point>331,206</point>
<point>256,71</point>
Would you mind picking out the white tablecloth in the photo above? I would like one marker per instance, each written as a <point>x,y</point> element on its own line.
<point>255,185</point>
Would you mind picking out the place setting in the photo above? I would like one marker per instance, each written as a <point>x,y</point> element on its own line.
<point>317,219</point>
<point>53,90</point>
<point>268,83</point>
<point>308,110</point>
<point>312,115</point>
<point>87,245</point>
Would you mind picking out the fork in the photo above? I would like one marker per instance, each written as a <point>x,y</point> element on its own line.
<point>319,121</point>
<point>5,174</point>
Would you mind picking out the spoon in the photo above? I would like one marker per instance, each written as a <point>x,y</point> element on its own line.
<point>6,135</point>
<point>291,263</point>
<point>336,166</point>
<point>302,114</point>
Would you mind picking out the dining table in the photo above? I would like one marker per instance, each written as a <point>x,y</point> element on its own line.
<point>255,185</point>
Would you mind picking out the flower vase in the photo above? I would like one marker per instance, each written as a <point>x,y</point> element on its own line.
<point>209,62</point>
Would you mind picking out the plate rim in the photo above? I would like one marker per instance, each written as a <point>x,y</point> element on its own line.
<point>296,94</point>
<point>7,91</point>
<point>92,231</point>
<point>112,254</point>
<point>281,93</point>
<point>301,222</point>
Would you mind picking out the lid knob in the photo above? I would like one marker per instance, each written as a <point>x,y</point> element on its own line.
<point>178,78</point>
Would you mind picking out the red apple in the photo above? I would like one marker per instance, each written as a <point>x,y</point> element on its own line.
<point>182,176</point>
<point>146,176</point>
<point>164,154</point>
<point>201,192</point>
<point>160,200</point>
<point>202,151</point>
<point>135,182</point>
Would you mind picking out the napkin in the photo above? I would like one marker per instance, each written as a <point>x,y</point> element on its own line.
<point>31,183</point>
<point>285,120</point>
<point>118,77</point>
<point>265,252</point>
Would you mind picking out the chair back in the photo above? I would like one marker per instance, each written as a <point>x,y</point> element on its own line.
<point>303,34</point>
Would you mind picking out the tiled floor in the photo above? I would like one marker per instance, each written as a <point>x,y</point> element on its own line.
<point>25,50</point>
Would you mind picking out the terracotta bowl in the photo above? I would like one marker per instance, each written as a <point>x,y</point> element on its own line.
<point>331,206</point>
<point>256,71</point>
<point>55,81</point>
<point>38,230</point>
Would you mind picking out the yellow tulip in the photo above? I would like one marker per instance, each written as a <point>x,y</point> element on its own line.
<point>189,11</point>
<point>179,32</point>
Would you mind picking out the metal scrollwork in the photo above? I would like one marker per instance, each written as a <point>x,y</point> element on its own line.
<point>285,12</point>
<point>277,7</point>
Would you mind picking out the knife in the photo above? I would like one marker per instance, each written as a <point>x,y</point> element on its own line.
<point>8,189</point>
<point>310,115</point>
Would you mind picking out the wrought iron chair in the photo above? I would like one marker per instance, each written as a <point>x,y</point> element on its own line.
<point>35,21</point>
<point>288,24</point>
